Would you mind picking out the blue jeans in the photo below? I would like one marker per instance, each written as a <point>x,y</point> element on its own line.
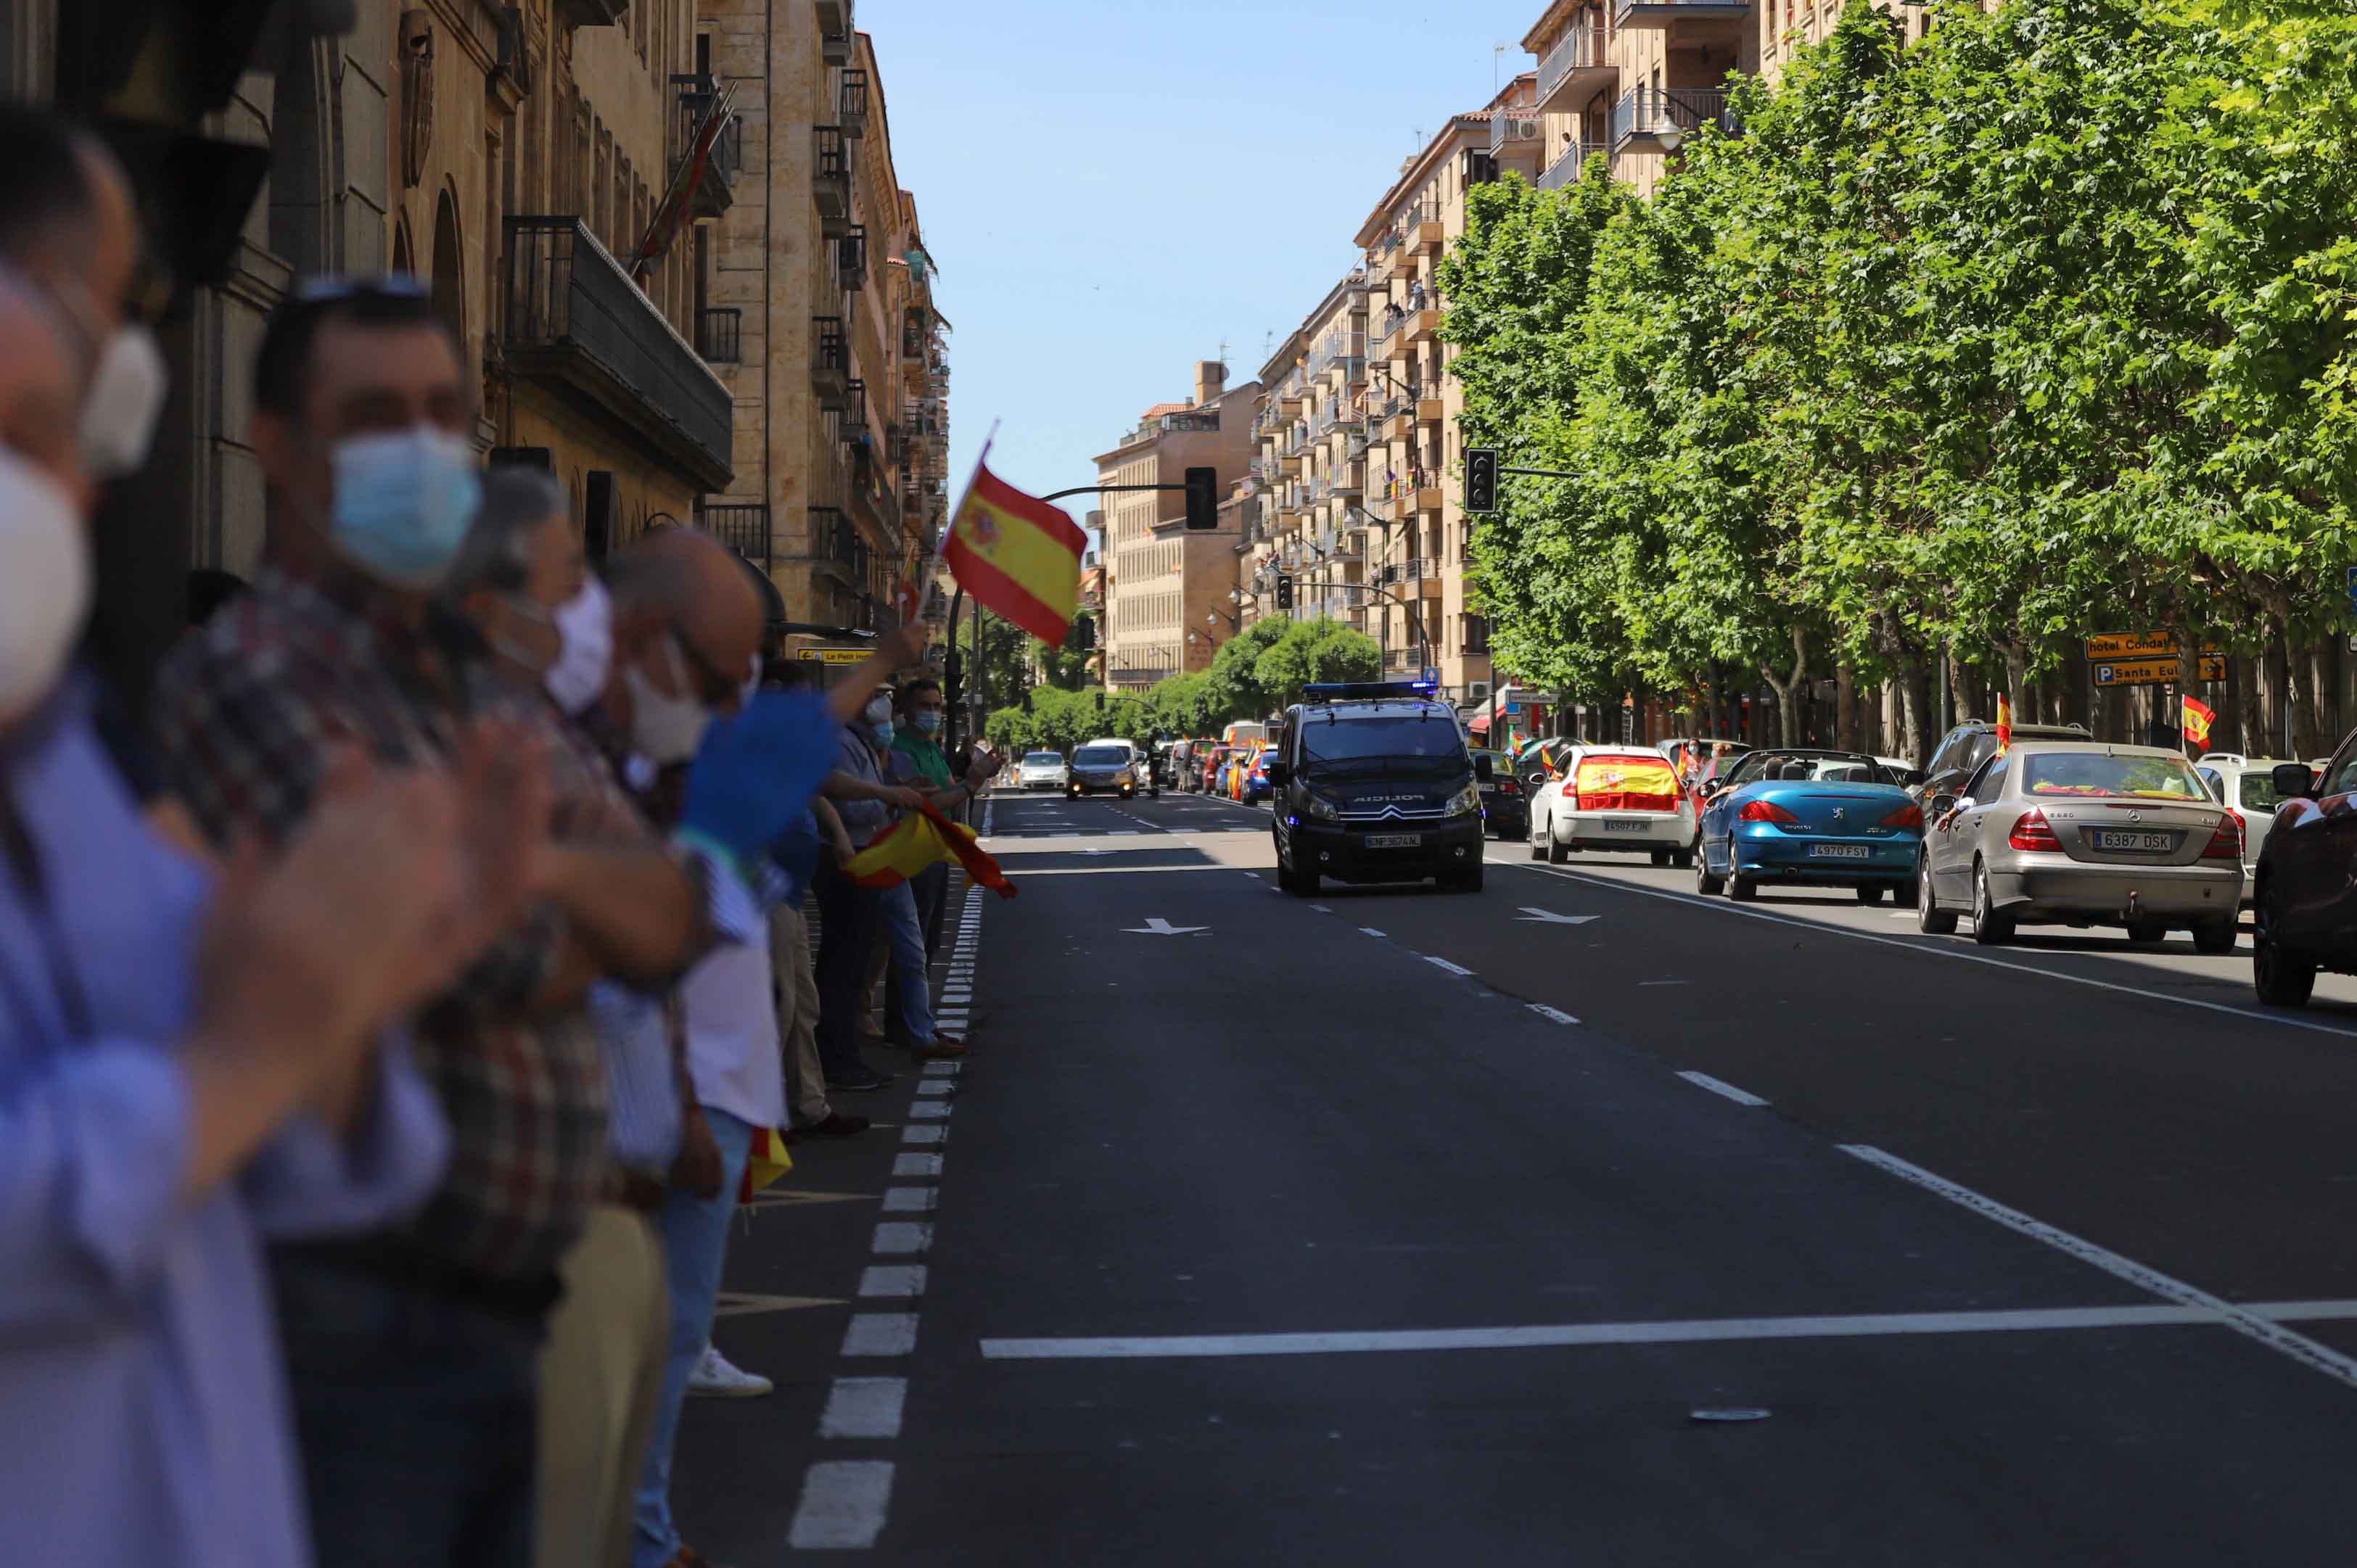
<point>696,1245</point>
<point>909,1015</point>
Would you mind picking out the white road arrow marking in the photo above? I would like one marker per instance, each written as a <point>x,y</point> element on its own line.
<point>1156,926</point>
<point>1549,917</point>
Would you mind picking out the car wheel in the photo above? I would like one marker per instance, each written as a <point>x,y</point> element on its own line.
<point>1930,919</point>
<point>1990,928</point>
<point>2282,979</point>
<point>1659,857</point>
<point>1705,883</point>
<point>2216,935</point>
<point>2147,933</point>
<point>1870,895</point>
<point>1740,887</point>
<point>1557,851</point>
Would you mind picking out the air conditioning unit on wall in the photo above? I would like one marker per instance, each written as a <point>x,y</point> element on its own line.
<point>1524,129</point>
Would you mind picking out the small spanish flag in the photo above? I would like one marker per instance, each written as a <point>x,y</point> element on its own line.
<point>1019,556</point>
<point>922,838</point>
<point>766,1161</point>
<point>2004,724</point>
<point>2199,717</point>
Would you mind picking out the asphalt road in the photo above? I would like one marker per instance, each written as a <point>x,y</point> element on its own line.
<point>1399,1226</point>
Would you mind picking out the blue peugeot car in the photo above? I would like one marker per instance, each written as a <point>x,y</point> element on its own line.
<point>1809,819</point>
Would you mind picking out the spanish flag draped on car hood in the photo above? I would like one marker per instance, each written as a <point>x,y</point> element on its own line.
<point>922,838</point>
<point>1626,784</point>
<point>1019,556</point>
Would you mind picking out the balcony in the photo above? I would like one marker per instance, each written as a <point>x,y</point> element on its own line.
<point>1567,165</point>
<point>702,109</point>
<point>837,548</point>
<point>1203,421</point>
<point>1662,14</point>
<point>1430,410</point>
<point>831,181</point>
<point>743,527</point>
<point>830,361</point>
<point>720,335</point>
<point>851,101</point>
<point>1578,66</point>
<point>1516,125</point>
<point>1659,119</point>
<point>1420,325</point>
<point>575,320</point>
<point>851,421</point>
<point>851,259</point>
<point>590,13</point>
<point>835,30</point>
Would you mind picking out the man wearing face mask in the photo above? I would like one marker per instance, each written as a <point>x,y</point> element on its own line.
<point>191,1065</point>
<point>412,1351</point>
<point>913,910</point>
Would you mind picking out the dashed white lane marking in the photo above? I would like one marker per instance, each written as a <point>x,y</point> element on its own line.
<point>880,1334</point>
<point>916,1164</point>
<point>1444,963</point>
<point>924,1134</point>
<point>942,1069</point>
<point>899,1238</point>
<point>863,1407</point>
<point>926,1109</point>
<point>892,1279</point>
<point>1685,1331</point>
<point>934,1086</point>
<point>1554,1014</point>
<point>843,1505</point>
<point>1253,874</point>
<point>1719,1087</point>
<point>1321,908</point>
<point>2241,1319</point>
<point>1642,984</point>
<point>909,1199</point>
<point>1371,931</point>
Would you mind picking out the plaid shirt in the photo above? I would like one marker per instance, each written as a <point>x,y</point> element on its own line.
<point>245,713</point>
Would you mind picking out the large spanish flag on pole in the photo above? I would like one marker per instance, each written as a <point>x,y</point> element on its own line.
<point>1019,557</point>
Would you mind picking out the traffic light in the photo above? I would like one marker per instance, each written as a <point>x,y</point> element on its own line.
<point>1081,637</point>
<point>1480,479</point>
<point>1284,595</point>
<point>953,680</point>
<point>1202,497</point>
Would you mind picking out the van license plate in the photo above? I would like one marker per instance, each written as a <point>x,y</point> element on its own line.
<point>1840,851</point>
<point>1395,840</point>
<point>1627,825</point>
<point>2136,843</point>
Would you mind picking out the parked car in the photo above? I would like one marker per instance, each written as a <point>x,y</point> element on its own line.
<point>2246,786</point>
<point>1614,798</point>
<point>1505,807</point>
<point>2084,835</point>
<point>1256,785</point>
<point>1964,748</point>
<point>1806,817</point>
<point>1043,770</point>
<point>2304,907</point>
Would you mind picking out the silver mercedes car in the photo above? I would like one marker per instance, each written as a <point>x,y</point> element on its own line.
<point>2075,832</point>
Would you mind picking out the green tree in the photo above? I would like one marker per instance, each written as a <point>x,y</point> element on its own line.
<point>1312,650</point>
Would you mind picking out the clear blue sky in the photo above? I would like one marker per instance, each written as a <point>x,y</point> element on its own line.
<point>1112,187</point>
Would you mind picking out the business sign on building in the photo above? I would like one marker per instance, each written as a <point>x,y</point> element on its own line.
<point>2153,671</point>
<point>2134,645</point>
<point>815,654</point>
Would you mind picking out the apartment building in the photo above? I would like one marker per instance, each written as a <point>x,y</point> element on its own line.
<point>1631,79</point>
<point>1162,580</point>
<point>815,301</point>
<point>1313,456</point>
<point>1418,537</point>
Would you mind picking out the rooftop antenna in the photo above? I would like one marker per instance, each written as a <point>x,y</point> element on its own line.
<point>1496,57</point>
<point>1223,352</point>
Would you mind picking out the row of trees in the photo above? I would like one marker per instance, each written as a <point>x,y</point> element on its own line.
<point>2039,327</point>
<point>1255,673</point>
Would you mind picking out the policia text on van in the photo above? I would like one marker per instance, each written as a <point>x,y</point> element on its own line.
<point>1373,783</point>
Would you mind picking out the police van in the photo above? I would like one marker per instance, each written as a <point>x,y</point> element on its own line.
<point>1373,782</point>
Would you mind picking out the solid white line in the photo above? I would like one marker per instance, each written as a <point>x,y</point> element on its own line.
<point>892,1279</point>
<point>1721,1088</point>
<point>917,1165</point>
<point>1444,963</point>
<point>843,1505</point>
<point>880,1334</point>
<point>1556,1014</point>
<point>910,1200</point>
<point>1371,931</point>
<point>2243,1320</point>
<point>1673,1332</point>
<point>1938,949</point>
<point>897,1237</point>
<point>863,1407</point>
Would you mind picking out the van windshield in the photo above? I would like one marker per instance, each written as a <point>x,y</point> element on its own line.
<point>1099,757</point>
<point>1422,745</point>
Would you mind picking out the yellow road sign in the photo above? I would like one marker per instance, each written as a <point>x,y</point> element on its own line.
<point>832,655</point>
<point>2138,645</point>
<point>2153,671</point>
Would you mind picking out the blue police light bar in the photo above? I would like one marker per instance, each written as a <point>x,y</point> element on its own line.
<point>1366,691</point>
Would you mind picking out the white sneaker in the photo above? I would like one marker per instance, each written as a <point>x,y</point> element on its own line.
<point>716,1377</point>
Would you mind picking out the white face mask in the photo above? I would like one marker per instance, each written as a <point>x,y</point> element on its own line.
<point>586,656</point>
<point>126,393</point>
<point>663,728</point>
<point>44,583</point>
<point>878,712</point>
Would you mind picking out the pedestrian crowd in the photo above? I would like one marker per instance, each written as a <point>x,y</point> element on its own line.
<point>390,1004</point>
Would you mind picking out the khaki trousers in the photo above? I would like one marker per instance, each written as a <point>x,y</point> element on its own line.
<point>789,961</point>
<point>600,1380</point>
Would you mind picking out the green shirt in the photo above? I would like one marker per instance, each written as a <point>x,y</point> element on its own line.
<point>918,757</point>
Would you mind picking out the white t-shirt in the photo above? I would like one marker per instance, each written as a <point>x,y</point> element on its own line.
<point>732,1035</point>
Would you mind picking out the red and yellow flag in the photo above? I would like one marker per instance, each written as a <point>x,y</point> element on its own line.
<point>2199,716</point>
<point>764,1162</point>
<point>922,838</point>
<point>1019,556</point>
<point>2004,724</point>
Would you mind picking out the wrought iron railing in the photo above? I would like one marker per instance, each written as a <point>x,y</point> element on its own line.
<point>719,334</point>
<point>743,526</point>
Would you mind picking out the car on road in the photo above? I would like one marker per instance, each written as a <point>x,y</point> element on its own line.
<point>1213,773</point>
<point>1103,768</point>
<point>2246,787</point>
<point>2304,909</point>
<point>1964,748</point>
<point>1375,783</point>
<point>1808,818</point>
<point>1614,798</point>
<point>1256,785</point>
<point>1506,809</point>
<point>1043,770</point>
<point>2082,833</point>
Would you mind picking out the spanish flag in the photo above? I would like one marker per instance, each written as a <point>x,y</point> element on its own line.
<point>922,838</point>
<point>764,1162</point>
<point>2199,717</point>
<point>2004,724</point>
<point>1019,557</point>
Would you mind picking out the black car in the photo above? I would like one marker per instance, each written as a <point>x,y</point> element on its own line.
<point>1964,748</point>
<point>2303,900</point>
<point>1373,783</point>
<point>1503,797</point>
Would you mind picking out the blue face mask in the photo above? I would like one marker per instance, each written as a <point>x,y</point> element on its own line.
<point>884,733</point>
<point>927,721</point>
<point>403,503</point>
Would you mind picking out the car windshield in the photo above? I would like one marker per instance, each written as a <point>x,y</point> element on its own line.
<point>2258,793</point>
<point>1099,757</point>
<point>1041,759</point>
<point>1826,767</point>
<point>2094,773</point>
<point>1423,744</point>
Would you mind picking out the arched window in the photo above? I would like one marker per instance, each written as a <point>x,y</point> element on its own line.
<point>449,279</point>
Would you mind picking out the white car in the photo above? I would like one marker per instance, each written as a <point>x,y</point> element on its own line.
<point>2245,787</point>
<point>1043,770</point>
<point>1614,798</point>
